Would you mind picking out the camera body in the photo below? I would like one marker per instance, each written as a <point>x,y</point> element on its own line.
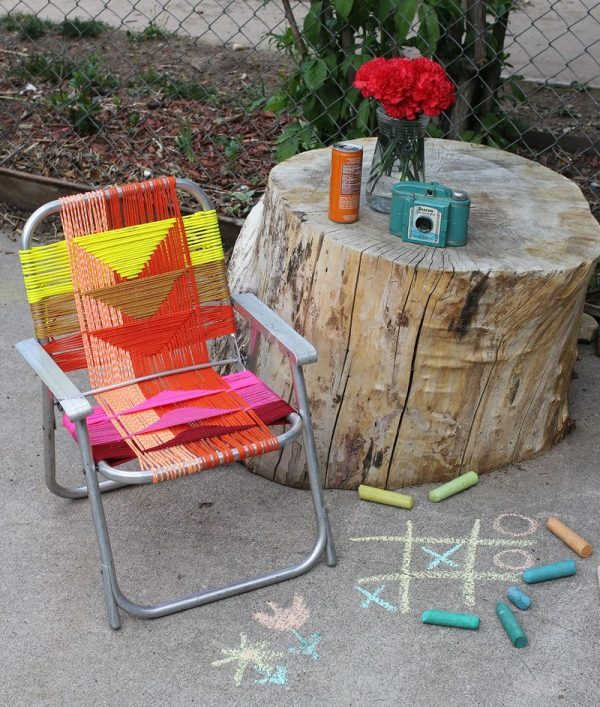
<point>429,213</point>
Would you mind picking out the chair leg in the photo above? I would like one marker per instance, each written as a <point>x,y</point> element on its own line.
<point>115,598</point>
<point>49,432</point>
<point>310,450</point>
<point>106,557</point>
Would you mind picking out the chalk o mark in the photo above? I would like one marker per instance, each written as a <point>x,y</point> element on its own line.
<point>532,525</point>
<point>528,559</point>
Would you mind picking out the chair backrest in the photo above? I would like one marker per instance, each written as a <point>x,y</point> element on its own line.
<point>134,287</point>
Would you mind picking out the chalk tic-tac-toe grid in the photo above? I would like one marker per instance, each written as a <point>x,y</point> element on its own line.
<point>442,554</point>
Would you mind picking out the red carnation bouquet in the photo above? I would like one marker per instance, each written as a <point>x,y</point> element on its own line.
<point>406,88</point>
<point>409,92</point>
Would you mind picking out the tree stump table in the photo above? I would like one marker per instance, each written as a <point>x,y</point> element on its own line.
<point>431,361</point>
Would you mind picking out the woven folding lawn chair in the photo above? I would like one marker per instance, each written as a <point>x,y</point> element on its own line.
<point>135,294</point>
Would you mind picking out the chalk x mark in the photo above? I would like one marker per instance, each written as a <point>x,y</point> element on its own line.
<point>437,558</point>
<point>373,597</point>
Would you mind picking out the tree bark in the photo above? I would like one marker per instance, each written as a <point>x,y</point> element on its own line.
<point>431,361</point>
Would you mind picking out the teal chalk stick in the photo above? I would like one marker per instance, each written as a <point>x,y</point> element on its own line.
<point>556,570</point>
<point>449,618</point>
<point>462,482</point>
<point>518,598</point>
<point>511,625</point>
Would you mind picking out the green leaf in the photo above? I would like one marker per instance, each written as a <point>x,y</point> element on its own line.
<point>434,130</point>
<point>288,143</point>
<point>363,116</point>
<point>404,18</point>
<point>312,24</point>
<point>315,73</point>
<point>343,8</point>
<point>518,92</point>
<point>277,102</point>
<point>428,35</point>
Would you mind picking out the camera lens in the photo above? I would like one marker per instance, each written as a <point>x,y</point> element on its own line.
<point>424,224</point>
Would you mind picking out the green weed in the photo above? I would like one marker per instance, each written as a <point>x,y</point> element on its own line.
<point>170,87</point>
<point>150,33</point>
<point>78,28</point>
<point>233,146</point>
<point>27,25</point>
<point>80,108</point>
<point>240,202</point>
<point>185,138</point>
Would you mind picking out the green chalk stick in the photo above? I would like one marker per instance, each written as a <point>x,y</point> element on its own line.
<point>464,481</point>
<point>511,625</point>
<point>389,498</point>
<point>449,618</point>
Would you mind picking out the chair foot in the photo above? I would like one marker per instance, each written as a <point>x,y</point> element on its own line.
<point>112,609</point>
<point>330,554</point>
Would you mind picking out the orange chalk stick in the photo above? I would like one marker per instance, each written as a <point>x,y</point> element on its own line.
<point>569,537</point>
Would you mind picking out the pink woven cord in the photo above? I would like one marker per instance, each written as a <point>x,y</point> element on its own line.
<point>181,416</point>
<point>108,444</point>
<point>167,397</point>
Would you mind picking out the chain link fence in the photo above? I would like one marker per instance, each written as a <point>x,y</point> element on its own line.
<point>113,90</point>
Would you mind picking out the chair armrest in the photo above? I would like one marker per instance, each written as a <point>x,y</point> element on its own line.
<point>274,328</point>
<point>60,385</point>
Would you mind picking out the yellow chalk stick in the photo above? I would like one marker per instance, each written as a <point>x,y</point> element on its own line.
<point>569,537</point>
<point>389,498</point>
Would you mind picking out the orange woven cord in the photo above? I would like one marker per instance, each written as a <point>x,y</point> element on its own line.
<point>49,285</point>
<point>68,352</point>
<point>140,313</point>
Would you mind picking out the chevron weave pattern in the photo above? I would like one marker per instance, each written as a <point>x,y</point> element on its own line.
<point>146,287</point>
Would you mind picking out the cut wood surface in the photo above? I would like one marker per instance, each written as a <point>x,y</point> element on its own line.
<point>431,361</point>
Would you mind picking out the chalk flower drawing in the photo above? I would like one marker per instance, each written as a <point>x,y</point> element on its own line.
<point>284,618</point>
<point>257,655</point>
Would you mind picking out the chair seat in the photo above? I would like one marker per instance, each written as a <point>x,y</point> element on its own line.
<point>190,422</point>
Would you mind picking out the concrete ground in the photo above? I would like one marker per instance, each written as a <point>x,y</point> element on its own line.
<point>350,635</point>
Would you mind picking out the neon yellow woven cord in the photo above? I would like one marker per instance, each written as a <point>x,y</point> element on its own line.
<point>47,271</point>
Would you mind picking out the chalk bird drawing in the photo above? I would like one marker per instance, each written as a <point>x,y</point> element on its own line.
<point>257,655</point>
<point>292,618</point>
<point>284,618</point>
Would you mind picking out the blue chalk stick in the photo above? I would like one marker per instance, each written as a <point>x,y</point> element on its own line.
<point>518,598</point>
<point>566,568</point>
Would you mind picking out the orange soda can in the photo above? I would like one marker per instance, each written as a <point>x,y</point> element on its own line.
<point>344,184</point>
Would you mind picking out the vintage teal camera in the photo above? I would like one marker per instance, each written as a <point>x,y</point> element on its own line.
<point>429,213</point>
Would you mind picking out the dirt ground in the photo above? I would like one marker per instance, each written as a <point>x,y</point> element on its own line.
<point>231,139</point>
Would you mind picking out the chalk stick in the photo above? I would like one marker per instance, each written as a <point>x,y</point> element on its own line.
<point>462,482</point>
<point>511,625</point>
<point>556,570</point>
<point>389,498</point>
<point>569,537</point>
<point>518,598</point>
<point>449,618</point>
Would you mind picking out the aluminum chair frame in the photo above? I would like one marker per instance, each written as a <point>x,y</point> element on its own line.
<point>60,391</point>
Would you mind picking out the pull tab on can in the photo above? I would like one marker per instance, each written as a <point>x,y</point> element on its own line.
<point>344,184</point>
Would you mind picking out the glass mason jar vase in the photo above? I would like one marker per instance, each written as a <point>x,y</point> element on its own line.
<point>399,156</point>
